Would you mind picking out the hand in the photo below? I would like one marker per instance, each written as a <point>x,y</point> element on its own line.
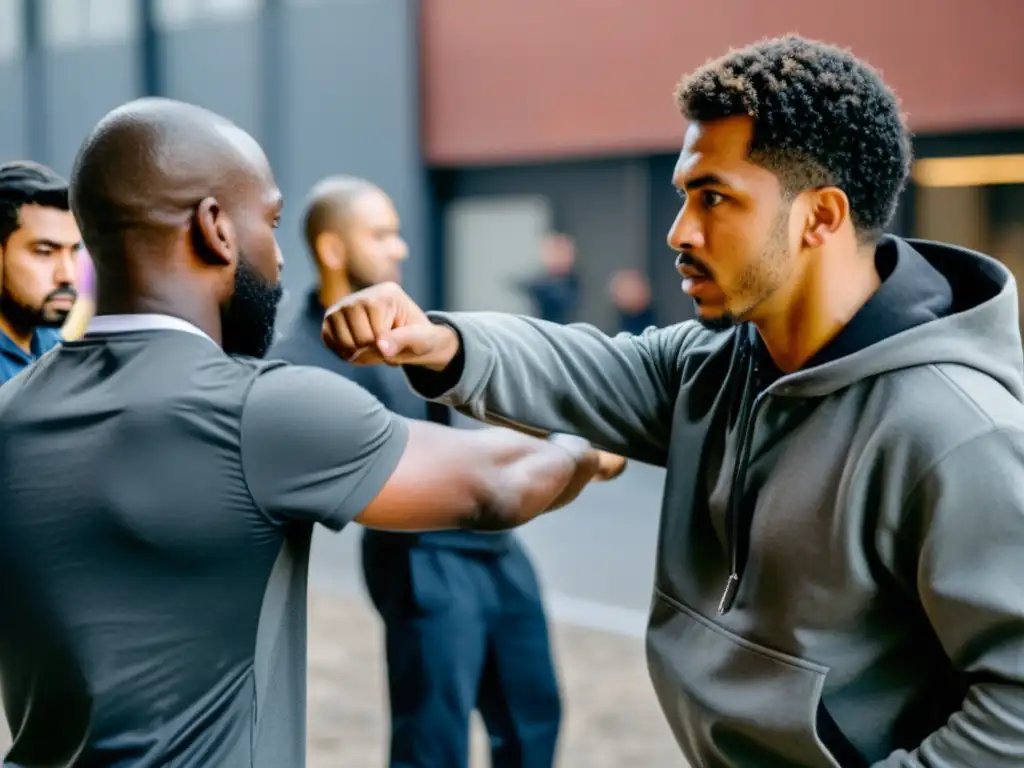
<point>599,466</point>
<point>610,466</point>
<point>381,324</point>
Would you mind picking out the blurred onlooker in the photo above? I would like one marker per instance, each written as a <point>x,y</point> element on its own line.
<point>39,245</point>
<point>555,290</point>
<point>631,294</point>
<point>465,627</point>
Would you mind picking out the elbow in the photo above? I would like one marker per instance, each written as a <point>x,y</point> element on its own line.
<point>503,501</point>
<point>494,512</point>
<point>518,489</point>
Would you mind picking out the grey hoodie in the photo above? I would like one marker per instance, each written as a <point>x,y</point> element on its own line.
<point>840,566</point>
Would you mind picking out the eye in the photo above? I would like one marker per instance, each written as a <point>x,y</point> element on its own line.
<point>277,222</point>
<point>710,198</point>
<point>42,250</point>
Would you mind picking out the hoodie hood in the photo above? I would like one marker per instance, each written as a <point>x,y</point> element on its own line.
<point>981,331</point>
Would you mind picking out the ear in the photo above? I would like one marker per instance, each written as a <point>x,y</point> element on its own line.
<point>828,211</point>
<point>213,234</point>
<point>329,250</point>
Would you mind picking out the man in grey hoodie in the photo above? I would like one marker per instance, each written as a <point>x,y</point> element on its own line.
<point>840,568</point>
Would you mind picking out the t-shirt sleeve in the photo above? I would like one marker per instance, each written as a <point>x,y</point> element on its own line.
<point>316,447</point>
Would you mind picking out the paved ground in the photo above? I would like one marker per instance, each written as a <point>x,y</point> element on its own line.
<point>612,720</point>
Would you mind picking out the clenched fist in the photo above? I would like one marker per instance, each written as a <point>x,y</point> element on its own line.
<point>381,324</point>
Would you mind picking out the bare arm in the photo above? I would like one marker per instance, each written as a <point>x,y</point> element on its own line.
<point>487,479</point>
<point>319,448</point>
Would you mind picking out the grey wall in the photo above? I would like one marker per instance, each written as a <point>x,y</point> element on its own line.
<point>603,205</point>
<point>350,95</point>
<point>214,62</point>
<point>328,86</point>
<point>12,52</point>
<point>89,66</point>
<point>12,114</point>
<point>76,100</point>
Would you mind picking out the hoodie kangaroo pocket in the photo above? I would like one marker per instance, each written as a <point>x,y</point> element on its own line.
<point>730,702</point>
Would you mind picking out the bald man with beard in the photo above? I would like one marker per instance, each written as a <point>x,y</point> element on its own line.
<point>159,482</point>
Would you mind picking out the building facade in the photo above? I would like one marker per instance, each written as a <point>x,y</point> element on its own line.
<point>494,123</point>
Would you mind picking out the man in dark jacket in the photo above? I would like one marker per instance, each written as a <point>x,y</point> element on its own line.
<point>465,624</point>
<point>840,550</point>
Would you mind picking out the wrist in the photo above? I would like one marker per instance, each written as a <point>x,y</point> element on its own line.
<point>577,447</point>
<point>447,348</point>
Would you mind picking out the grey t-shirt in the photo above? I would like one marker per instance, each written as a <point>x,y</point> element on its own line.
<point>157,499</point>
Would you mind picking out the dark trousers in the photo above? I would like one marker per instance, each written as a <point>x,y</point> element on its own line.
<point>464,631</point>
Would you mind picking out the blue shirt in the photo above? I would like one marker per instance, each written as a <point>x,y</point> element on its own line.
<point>14,359</point>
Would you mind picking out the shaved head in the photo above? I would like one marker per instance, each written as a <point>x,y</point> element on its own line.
<point>177,206</point>
<point>329,205</point>
<point>352,230</point>
<point>147,165</point>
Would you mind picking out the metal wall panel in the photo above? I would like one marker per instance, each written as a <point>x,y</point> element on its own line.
<point>90,65</point>
<point>351,106</point>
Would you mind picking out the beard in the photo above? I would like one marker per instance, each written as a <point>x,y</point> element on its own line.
<point>247,320</point>
<point>26,318</point>
<point>722,322</point>
<point>760,280</point>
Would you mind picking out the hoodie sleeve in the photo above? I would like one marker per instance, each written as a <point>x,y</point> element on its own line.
<point>618,392</point>
<point>966,519</point>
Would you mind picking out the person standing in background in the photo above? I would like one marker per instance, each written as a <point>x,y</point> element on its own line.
<point>631,294</point>
<point>464,620</point>
<point>39,245</point>
<point>555,291</point>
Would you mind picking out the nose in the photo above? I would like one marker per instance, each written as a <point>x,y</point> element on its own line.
<point>686,233</point>
<point>64,272</point>
<point>401,250</point>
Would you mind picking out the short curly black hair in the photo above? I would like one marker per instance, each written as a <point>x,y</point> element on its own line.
<point>821,117</point>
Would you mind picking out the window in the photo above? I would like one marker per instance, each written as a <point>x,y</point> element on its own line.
<point>180,14</point>
<point>75,23</point>
<point>976,202</point>
<point>11,29</point>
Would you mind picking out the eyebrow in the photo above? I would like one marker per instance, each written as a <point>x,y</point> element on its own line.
<point>54,245</point>
<point>707,180</point>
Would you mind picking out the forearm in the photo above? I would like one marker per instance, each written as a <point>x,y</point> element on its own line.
<point>618,392</point>
<point>530,477</point>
